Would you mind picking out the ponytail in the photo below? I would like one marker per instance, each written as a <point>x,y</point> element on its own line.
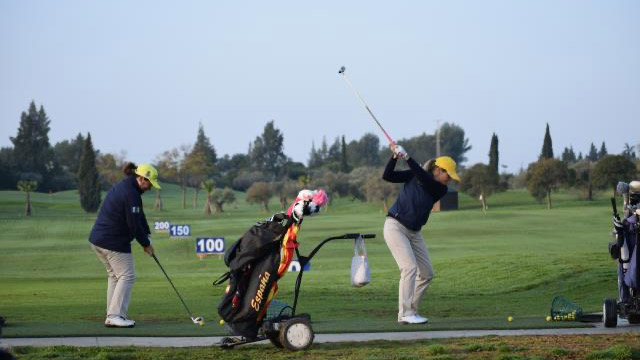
<point>429,165</point>
<point>129,169</point>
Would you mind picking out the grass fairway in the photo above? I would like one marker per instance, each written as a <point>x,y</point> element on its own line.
<point>620,347</point>
<point>511,260</point>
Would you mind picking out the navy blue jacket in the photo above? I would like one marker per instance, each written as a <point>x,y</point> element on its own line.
<point>419,193</point>
<point>121,218</point>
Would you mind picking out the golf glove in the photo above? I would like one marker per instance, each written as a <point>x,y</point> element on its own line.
<point>400,152</point>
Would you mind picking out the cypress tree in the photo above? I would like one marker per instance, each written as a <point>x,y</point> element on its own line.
<point>88,185</point>
<point>344,164</point>
<point>603,151</point>
<point>547,147</point>
<point>593,153</point>
<point>493,154</point>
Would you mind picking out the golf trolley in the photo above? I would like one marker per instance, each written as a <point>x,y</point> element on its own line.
<point>282,325</point>
<point>625,249</point>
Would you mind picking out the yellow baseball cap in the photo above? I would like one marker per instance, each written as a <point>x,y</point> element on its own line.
<point>150,173</point>
<point>447,163</point>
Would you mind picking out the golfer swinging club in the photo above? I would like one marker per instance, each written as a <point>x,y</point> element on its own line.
<point>121,219</point>
<point>422,188</point>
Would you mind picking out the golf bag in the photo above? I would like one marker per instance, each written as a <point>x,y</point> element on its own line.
<point>255,262</point>
<point>625,249</point>
<point>628,260</point>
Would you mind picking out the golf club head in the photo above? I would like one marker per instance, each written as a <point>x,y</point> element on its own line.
<point>198,320</point>
<point>342,69</point>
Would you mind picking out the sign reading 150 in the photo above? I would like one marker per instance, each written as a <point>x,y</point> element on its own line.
<point>180,230</point>
<point>210,245</point>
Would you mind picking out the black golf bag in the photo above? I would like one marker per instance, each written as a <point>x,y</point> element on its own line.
<point>253,263</point>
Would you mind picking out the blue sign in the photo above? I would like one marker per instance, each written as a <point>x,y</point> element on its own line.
<point>180,230</point>
<point>210,245</point>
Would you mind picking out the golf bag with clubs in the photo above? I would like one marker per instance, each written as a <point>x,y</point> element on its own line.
<point>257,261</point>
<point>625,249</point>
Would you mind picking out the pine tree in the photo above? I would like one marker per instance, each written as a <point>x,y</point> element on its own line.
<point>547,147</point>
<point>603,151</point>
<point>203,144</point>
<point>493,154</point>
<point>593,153</point>
<point>314,159</point>
<point>88,184</point>
<point>32,150</point>
<point>568,155</point>
<point>267,154</point>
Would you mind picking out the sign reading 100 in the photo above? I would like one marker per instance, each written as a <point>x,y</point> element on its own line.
<point>211,245</point>
<point>180,230</point>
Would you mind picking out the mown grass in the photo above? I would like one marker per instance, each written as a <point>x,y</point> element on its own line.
<point>510,260</point>
<point>620,347</point>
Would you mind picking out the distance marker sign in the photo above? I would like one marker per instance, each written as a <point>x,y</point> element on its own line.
<point>179,230</point>
<point>210,245</point>
<point>161,226</point>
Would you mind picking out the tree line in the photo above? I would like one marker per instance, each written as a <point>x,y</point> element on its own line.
<point>597,170</point>
<point>345,168</point>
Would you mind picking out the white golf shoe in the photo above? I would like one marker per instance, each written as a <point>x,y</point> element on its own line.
<point>413,319</point>
<point>119,322</point>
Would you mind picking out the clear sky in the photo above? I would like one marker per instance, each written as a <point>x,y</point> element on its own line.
<point>141,75</point>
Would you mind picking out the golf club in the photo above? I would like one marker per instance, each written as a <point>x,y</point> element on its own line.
<point>196,320</point>
<point>342,72</point>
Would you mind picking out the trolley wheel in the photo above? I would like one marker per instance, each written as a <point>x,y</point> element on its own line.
<point>274,337</point>
<point>296,334</point>
<point>634,318</point>
<point>610,313</point>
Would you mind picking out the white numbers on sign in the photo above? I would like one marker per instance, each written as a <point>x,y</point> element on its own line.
<point>161,225</point>
<point>180,230</point>
<point>210,245</point>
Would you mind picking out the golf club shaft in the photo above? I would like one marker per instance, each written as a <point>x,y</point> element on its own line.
<point>174,288</point>
<point>367,107</point>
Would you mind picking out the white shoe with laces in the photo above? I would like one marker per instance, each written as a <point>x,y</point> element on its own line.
<point>413,319</point>
<point>119,322</point>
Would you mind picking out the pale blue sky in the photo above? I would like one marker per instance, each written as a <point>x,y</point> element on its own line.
<point>140,75</point>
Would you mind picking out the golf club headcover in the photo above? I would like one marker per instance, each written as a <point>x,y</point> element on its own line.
<point>308,202</point>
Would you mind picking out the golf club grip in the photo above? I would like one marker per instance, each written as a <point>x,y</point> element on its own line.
<point>614,207</point>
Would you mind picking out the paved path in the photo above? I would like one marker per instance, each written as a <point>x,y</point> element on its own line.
<point>622,328</point>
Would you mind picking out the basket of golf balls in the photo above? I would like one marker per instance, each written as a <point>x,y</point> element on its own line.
<point>563,309</point>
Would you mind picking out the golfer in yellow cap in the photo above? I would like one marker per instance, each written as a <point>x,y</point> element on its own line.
<point>120,220</point>
<point>423,187</point>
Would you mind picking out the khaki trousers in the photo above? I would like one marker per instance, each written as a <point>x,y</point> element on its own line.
<point>121,276</point>
<point>411,255</point>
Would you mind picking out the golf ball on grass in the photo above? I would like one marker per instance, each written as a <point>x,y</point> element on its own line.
<point>221,322</point>
<point>510,318</point>
<point>548,318</point>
